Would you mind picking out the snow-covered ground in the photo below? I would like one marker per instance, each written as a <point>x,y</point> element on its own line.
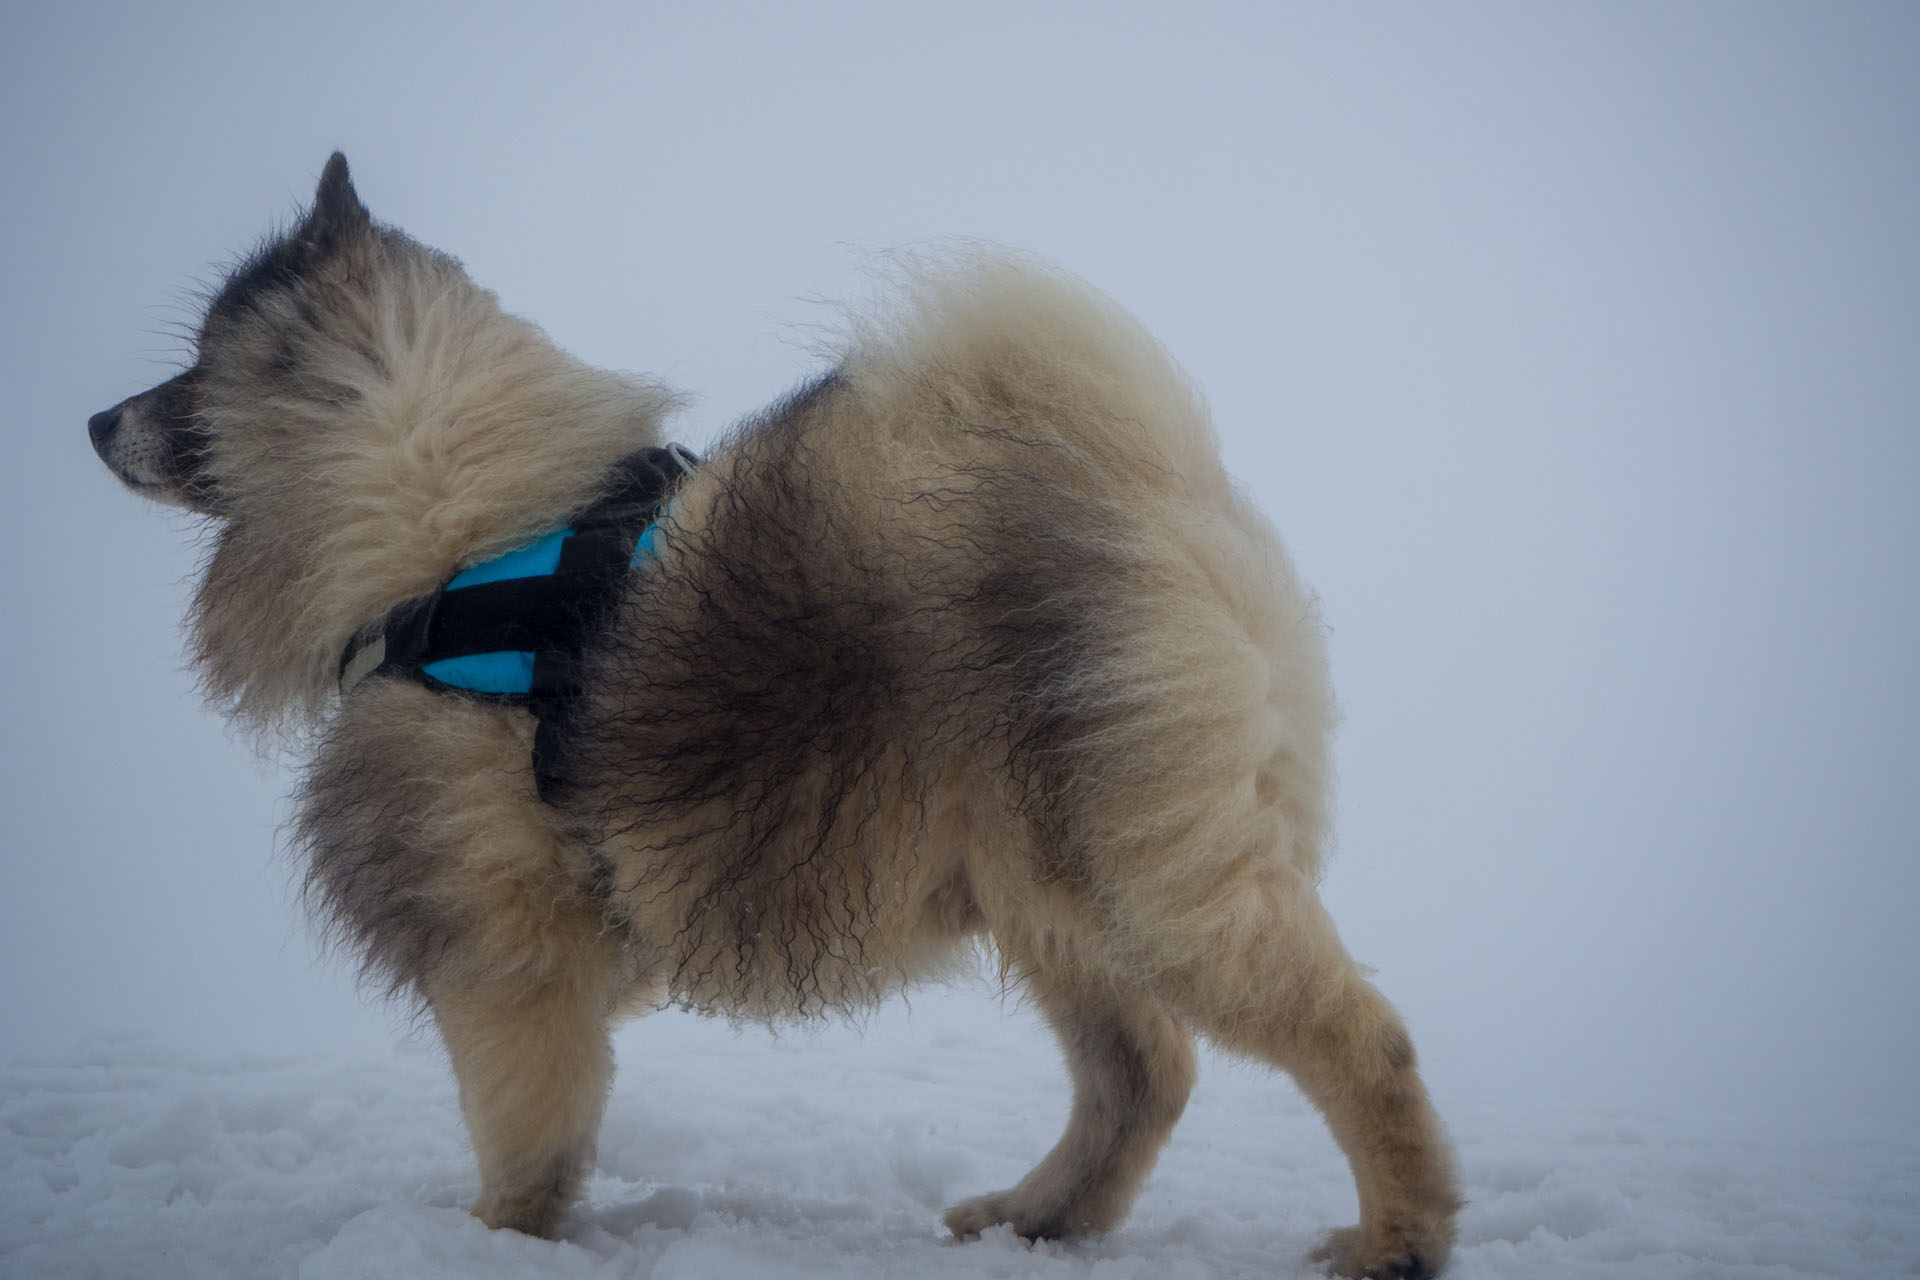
<point>831,1153</point>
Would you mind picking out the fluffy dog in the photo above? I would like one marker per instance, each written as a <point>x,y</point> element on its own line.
<point>970,640</point>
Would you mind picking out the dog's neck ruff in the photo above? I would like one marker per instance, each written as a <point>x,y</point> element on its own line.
<point>512,629</point>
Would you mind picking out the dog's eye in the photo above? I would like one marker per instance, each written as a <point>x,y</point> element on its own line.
<point>180,405</point>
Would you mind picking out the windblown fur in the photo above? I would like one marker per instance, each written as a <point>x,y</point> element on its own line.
<point>970,639</point>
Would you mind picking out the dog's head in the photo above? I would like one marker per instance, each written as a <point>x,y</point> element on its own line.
<point>161,443</point>
<point>360,421</point>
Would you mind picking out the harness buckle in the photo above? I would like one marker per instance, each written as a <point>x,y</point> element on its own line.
<point>363,659</point>
<point>401,637</point>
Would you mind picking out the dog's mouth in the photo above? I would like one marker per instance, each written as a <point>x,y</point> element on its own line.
<point>155,491</point>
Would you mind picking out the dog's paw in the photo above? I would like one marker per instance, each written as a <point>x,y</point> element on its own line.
<point>534,1215</point>
<point>970,1217</point>
<point>1347,1252</point>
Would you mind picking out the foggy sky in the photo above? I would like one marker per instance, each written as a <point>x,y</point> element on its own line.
<point>1574,350</point>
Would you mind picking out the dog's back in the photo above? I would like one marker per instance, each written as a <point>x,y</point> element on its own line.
<point>989,613</point>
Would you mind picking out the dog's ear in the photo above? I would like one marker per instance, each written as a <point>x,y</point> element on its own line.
<point>338,217</point>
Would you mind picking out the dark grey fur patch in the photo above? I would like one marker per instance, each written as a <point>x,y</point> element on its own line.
<point>177,412</point>
<point>781,675</point>
<point>373,873</point>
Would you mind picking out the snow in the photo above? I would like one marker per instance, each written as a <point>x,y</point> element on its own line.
<point>831,1152</point>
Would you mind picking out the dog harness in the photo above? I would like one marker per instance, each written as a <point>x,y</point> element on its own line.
<point>513,629</point>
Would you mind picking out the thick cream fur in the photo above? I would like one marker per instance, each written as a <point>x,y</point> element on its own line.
<point>426,430</point>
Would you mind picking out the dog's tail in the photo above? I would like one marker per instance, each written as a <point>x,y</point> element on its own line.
<point>1006,342</point>
<point>1193,662</point>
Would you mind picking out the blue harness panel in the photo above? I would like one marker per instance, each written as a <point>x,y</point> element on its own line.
<point>537,559</point>
<point>505,672</point>
<point>509,672</point>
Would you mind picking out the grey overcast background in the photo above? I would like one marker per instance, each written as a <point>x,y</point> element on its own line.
<point>1575,350</point>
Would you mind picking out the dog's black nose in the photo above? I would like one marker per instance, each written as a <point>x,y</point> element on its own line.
<point>101,425</point>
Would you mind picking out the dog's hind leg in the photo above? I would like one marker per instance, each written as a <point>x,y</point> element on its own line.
<point>1132,1068</point>
<point>1278,985</point>
<point>534,1064</point>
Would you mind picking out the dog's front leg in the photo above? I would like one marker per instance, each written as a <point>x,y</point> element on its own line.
<point>534,1064</point>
